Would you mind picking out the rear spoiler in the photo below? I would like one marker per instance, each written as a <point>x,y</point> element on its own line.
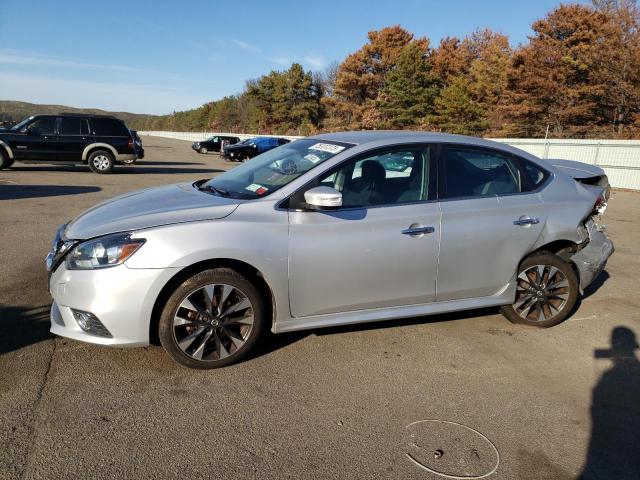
<point>584,173</point>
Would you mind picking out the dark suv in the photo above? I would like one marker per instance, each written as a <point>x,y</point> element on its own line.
<point>214,144</point>
<point>100,141</point>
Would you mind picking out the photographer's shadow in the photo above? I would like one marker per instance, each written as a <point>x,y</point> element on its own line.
<point>614,447</point>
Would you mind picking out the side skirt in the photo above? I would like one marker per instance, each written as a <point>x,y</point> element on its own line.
<point>504,297</point>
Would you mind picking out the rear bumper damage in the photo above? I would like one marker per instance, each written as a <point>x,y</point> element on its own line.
<point>592,259</point>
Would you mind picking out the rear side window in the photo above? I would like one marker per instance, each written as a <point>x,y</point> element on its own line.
<point>73,126</point>
<point>471,172</point>
<point>109,127</point>
<point>535,175</point>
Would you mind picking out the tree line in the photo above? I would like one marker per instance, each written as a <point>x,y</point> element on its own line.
<point>578,75</point>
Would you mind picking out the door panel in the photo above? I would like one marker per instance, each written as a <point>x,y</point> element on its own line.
<point>360,259</point>
<point>481,247</point>
<point>73,137</point>
<point>484,193</point>
<point>41,141</point>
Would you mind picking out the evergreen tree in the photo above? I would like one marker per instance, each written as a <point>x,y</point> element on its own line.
<point>456,111</point>
<point>409,89</point>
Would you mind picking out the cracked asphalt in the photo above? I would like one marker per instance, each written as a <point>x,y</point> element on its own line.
<point>335,403</point>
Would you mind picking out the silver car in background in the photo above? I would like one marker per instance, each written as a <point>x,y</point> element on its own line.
<point>329,230</point>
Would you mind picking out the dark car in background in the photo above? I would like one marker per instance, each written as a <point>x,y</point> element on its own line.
<point>99,141</point>
<point>217,143</point>
<point>252,147</point>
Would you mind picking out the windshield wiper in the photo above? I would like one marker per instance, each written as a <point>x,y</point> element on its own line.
<point>218,190</point>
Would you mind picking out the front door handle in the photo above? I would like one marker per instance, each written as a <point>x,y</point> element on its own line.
<point>417,230</point>
<point>526,220</point>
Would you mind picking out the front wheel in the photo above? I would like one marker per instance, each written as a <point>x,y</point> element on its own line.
<point>203,150</point>
<point>546,292</point>
<point>212,319</point>
<point>5,161</point>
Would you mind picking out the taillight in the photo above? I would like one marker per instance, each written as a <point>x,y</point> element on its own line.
<point>600,206</point>
<point>130,144</point>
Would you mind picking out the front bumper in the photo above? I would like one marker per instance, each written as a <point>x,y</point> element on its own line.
<point>592,259</point>
<point>121,298</point>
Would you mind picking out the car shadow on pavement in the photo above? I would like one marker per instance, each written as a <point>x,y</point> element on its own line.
<point>596,284</point>
<point>272,342</point>
<point>142,163</point>
<point>23,326</point>
<point>614,446</point>
<point>14,192</point>
<point>119,169</point>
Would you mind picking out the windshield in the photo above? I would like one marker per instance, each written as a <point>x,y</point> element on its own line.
<point>19,126</point>
<point>274,169</point>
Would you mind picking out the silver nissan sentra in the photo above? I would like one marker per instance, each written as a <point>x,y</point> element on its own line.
<point>330,230</point>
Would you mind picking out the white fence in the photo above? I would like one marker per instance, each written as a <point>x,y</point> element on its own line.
<point>619,158</point>
<point>199,136</point>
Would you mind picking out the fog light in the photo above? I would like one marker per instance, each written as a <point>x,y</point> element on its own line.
<point>90,323</point>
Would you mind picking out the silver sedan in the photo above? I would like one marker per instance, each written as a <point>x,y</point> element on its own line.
<point>330,230</point>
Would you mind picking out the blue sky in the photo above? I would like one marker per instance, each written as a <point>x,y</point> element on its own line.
<point>156,57</point>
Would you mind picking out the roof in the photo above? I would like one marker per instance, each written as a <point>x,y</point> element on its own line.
<point>367,136</point>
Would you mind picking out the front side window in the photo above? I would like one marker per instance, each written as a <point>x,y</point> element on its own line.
<point>274,169</point>
<point>43,126</point>
<point>384,178</point>
<point>471,172</point>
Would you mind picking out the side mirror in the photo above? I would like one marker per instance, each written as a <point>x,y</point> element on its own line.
<point>253,145</point>
<point>27,130</point>
<point>323,197</point>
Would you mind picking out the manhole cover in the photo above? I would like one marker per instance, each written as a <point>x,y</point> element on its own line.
<point>451,450</point>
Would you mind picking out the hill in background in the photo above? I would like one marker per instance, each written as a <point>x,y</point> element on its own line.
<point>15,111</point>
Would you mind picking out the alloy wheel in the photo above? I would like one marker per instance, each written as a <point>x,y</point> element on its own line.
<point>101,162</point>
<point>542,293</point>
<point>213,322</point>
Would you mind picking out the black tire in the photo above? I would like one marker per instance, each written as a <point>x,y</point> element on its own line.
<point>101,161</point>
<point>5,161</point>
<point>200,336</point>
<point>203,150</point>
<point>547,284</point>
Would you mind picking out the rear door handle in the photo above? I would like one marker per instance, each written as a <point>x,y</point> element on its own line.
<point>417,230</point>
<point>526,220</point>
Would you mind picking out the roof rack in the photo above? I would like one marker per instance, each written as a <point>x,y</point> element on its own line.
<point>85,115</point>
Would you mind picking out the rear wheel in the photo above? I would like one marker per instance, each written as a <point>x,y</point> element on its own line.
<point>213,319</point>
<point>101,161</point>
<point>5,161</point>
<point>546,292</point>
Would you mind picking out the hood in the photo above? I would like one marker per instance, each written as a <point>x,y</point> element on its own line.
<point>577,170</point>
<point>150,207</point>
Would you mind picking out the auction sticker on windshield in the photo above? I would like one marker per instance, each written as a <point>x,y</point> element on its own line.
<point>259,189</point>
<point>327,147</point>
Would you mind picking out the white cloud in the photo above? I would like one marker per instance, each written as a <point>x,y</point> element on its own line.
<point>316,62</point>
<point>246,46</point>
<point>282,61</point>
<point>18,57</point>
<point>127,97</point>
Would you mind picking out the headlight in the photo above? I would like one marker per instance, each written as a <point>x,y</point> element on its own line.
<point>103,252</point>
<point>197,145</point>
